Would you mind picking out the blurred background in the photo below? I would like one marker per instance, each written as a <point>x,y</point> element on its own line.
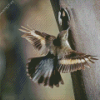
<point>14,51</point>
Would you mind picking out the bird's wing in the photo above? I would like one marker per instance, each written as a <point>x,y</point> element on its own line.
<point>42,71</point>
<point>75,61</point>
<point>40,41</point>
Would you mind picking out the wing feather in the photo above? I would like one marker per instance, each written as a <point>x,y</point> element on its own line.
<point>75,61</point>
<point>41,41</point>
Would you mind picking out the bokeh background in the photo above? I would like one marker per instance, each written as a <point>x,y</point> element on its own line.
<point>14,51</point>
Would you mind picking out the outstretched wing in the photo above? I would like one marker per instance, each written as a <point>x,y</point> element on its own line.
<point>40,41</point>
<point>75,61</point>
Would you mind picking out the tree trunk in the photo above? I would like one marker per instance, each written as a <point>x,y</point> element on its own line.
<point>85,26</point>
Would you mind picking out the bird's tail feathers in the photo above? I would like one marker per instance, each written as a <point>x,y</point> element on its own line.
<point>42,71</point>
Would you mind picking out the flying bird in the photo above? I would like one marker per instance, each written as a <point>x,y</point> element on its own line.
<point>59,57</point>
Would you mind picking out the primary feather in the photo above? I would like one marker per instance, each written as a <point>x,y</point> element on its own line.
<point>41,41</point>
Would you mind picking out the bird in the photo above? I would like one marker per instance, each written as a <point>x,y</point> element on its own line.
<point>56,54</point>
<point>58,57</point>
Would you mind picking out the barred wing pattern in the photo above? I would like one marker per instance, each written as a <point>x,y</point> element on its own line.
<point>40,41</point>
<point>75,61</point>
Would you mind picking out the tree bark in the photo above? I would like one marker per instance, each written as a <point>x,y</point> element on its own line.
<point>85,28</point>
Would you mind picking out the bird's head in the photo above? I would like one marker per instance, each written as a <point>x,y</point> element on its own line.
<point>63,35</point>
<point>62,39</point>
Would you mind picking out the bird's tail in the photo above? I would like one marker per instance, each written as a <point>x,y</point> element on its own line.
<point>42,70</point>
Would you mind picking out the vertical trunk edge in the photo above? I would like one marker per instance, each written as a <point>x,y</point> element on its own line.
<point>77,78</point>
